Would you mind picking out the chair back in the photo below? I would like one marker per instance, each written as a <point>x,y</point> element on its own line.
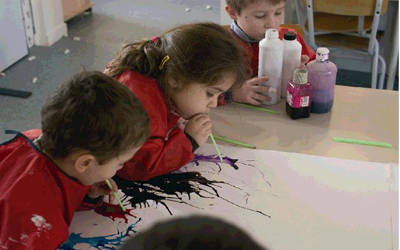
<point>348,7</point>
<point>296,27</point>
<point>342,8</point>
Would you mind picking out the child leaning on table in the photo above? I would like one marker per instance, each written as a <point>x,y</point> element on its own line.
<point>90,127</point>
<point>251,18</point>
<point>177,76</point>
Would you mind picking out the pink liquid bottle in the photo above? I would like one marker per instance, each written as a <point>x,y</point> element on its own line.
<point>298,95</point>
<point>322,76</point>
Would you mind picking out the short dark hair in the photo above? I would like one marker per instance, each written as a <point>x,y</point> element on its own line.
<point>192,233</point>
<point>238,5</point>
<point>93,112</point>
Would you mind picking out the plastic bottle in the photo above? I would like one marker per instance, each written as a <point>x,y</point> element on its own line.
<point>291,58</point>
<point>270,64</point>
<point>298,96</point>
<point>322,76</point>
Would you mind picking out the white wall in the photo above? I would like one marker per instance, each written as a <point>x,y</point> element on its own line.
<point>225,19</point>
<point>49,21</point>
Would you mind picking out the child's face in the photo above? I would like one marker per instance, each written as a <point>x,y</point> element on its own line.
<point>257,17</point>
<point>98,173</point>
<point>196,98</point>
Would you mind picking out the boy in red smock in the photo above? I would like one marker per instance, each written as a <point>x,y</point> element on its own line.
<point>251,18</point>
<point>91,126</point>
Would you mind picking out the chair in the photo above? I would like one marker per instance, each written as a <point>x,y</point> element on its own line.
<point>295,27</point>
<point>346,24</point>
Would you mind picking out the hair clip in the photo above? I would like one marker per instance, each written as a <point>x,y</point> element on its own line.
<point>155,39</point>
<point>164,60</point>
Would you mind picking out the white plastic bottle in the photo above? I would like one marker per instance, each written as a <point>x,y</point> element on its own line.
<point>291,58</point>
<point>270,64</point>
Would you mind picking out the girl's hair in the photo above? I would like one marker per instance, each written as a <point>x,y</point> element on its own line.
<point>200,52</point>
<point>238,5</point>
<point>93,112</point>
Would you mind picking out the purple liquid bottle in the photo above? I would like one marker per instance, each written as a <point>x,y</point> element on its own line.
<point>322,76</point>
<point>298,95</point>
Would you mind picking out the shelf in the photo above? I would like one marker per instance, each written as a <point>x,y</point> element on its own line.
<point>72,8</point>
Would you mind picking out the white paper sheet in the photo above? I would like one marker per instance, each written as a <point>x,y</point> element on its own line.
<point>313,202</point>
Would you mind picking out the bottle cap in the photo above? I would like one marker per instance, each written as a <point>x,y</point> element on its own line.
<point>289,35</point>
<point>271,34</point>
<point>300,76</point>
<point>322,54</point>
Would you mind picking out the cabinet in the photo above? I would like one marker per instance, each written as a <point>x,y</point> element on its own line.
<point>12,34</point>
<point>72,8</point>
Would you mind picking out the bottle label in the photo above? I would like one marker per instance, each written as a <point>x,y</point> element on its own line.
<point>297,101</point>
<point>322,57</point>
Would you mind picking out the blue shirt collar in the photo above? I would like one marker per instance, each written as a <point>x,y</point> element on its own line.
<point>241,34</point>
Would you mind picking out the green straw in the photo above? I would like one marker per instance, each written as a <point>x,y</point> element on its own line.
<point>216,148</point>
<point>257,108</point>
<point>115,195</point>
<point>242,144</point>
<point>363,142</point>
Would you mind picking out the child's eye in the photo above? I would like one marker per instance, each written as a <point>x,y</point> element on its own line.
<point>278,13</point>
<point>260,17</point>
<point>209,94</point>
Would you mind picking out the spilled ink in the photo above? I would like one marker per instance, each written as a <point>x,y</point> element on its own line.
<point>114,211</point>
<point>100,242</point>
<point>173,187</point>
<point>227,160</point>
<point>215,159</point>
<point>169,187</point>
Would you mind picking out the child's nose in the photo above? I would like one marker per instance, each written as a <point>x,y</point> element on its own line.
<point>213,102</point>
<point>269,23</point>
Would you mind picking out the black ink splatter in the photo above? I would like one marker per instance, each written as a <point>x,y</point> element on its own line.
<point>172,187</point>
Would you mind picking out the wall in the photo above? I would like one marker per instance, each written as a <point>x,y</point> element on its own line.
<point>48,21</point>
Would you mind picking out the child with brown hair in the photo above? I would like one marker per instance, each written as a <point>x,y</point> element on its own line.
<point>178,78</point>
<point>251,18</point>
<point>91,126</point>
<point>195,232</point>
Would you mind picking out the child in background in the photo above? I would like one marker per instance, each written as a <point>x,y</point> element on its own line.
<point>178,78</point>
<point>193,233</point>
<point>251,18</point>
<point>91,126</point>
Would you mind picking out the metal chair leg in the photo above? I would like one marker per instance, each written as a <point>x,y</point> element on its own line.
<point>374,69</point>
<point>383,72</point>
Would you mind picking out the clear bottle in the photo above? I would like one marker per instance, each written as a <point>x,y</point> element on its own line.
<point>322,76</point>
<point>270,64</point>
<point>298,95</point>
<point>291,58</point>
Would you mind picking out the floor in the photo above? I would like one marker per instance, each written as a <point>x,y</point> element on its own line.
<point>94,39</point>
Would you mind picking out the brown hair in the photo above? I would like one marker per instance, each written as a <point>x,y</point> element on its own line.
<point>93,112</point>
<point>193,233</point>
<point>238,5</point>
<point>200,52</point>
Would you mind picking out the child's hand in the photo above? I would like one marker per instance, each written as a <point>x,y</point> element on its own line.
<point>101,189</point>
<point>181,123</point>
<point>199,128</point>
<point>250,91</point>
<point>304,60</point>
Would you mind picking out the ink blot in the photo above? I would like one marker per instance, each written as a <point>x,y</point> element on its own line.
<point>114,211</point>
<point>100,242</point>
